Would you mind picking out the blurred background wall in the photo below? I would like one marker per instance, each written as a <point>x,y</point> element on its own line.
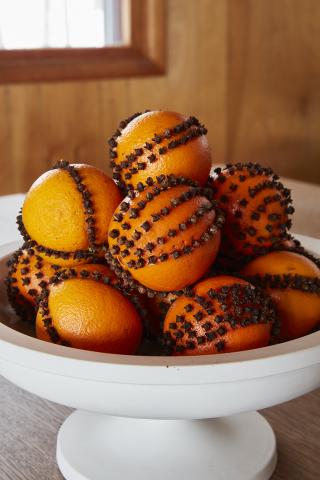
<point>249,69</point>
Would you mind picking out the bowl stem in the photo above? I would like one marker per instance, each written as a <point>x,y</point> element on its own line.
<point>93,446</point>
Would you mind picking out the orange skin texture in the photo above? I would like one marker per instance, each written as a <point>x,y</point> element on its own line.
<point>53,212</point>
<point>299,312</point>
<point>236,339</point>
<point>92,316</point>
<point>229,240</point>
<point>192,160</point>
<point>172,274</point>
<point>46,269</point>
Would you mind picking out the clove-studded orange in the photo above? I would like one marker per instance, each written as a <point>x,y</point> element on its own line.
<point>219,315</point>
<point>257,208</point>
<point>166,234</point>
<point>67,211</point>
<point>28,273</point>
<point>83,308</point>
<point>293,282</point>
<point>159,142</point>
<point>159,304</point>
<point>156,310</point>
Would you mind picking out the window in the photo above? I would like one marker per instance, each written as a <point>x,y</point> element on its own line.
<point>43,40</point>
<point>60,24</point>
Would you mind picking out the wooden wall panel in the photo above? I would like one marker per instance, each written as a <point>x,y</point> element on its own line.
<point>249,69</point>
<point>44,122</point>
<point>273,99</point>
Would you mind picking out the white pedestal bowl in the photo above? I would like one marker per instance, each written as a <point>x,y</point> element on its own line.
<point>161,417</point>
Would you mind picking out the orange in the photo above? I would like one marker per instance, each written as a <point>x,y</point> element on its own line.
<point>30,273</point>
<point>159,143</point>
<point>223,314</point>
<point>256,205</point>
<point>27,274</point>
<point>91,315</point>
<point>67,211</point>
<point>157,308</point>
<point>160,303</point>
<point>167,236</point>
<point>293,282</point>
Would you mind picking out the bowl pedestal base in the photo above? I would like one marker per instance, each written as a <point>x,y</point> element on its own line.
<point>99,447</point>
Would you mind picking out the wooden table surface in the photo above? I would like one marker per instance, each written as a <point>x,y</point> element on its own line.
<point>29,425</point>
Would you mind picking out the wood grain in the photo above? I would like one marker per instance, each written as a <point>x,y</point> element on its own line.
<point>297,428</point>
<point>29,426</point>
<point>248,69</point>
<point>273,99</point>
<point>46,121</point>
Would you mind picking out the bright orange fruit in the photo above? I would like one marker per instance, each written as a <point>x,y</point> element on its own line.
<point>90,315</point>
<point>224,314</point>
<point>67,212</point>
<point>166,236</point>
<point>160,143</point>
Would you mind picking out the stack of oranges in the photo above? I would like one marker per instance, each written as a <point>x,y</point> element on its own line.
<point>200,261</point>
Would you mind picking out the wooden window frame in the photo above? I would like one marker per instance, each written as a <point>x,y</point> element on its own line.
<point>143,54</point>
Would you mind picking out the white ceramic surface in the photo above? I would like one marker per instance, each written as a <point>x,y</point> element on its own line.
<point>239,447</point>
<point>182,388</point>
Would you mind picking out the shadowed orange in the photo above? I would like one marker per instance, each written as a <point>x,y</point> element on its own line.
<point>298,311</point>
<point>157,308</point>
<point>36,271</point>
<point>256,208</point>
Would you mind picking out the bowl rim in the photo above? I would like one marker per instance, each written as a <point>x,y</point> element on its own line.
<point>19,349</point>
